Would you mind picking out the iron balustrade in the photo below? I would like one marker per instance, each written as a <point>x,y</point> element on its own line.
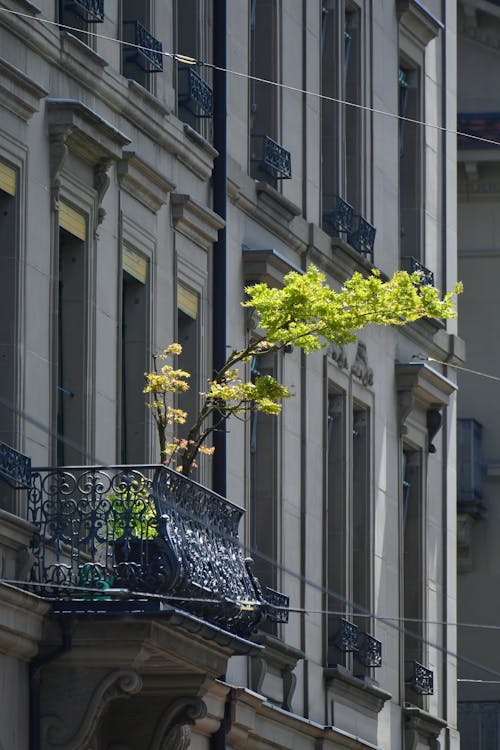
<point>15,468</point>
<point>339,219</point>
<point>346,638</point>
<point>370,651</point>
<point>421,680</point>
<point>412,265</point>
<point>362,238</point>
<point>270,157</point>
<point>195,95</point>
<point>145,529</point>
<point>148,54</point>
<point>92,11</point>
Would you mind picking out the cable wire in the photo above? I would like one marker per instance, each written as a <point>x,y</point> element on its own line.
<point>188,60</point>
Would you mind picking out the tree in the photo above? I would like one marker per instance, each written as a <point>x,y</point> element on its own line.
<point>305,313</point>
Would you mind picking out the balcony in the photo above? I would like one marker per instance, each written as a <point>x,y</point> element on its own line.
<point>134,531</point>
<point>362,237</point>
<point>338,220</point>
<point>195,95</point>
<point>147,51</point>
<point>91,11</point>
<point>421,679</point>
<point>366,648</point>
<point>412,265</point>
<point>269,158</point>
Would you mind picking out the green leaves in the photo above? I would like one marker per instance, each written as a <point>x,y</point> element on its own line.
<point>307,313</point>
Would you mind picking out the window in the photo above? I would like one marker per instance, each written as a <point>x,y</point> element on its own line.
<point>410,163</point>
<point>413,579</point>
<point>8,301</point>
<point>134,355</point>
<point>80,15</point>
<point>264,482</point>
<point>193,23</point>
<point>188,335</point>
<point>348,538</point>
<point>72,337</point>
<point>139,63</point>
<point>341,125</point>
<point>337,509</point>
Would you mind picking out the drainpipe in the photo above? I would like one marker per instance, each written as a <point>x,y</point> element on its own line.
<point>218,740</point>
<point>35,669</point>
<point>219,270</point>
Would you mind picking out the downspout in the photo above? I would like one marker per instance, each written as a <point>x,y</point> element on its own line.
<point>218,740</point>
<point>219,268</point>
<point>35,669</point>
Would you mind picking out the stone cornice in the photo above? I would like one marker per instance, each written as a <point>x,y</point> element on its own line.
<point>266,265</point>
<point>84,131</point>
<point>194,220</point>
<point>274,202</point>
<point>362,692</point>
<point>418,20</point>
<point>143,182</point>
<point>424,724</point>
<point>21,622</point>
<point>18,92</point>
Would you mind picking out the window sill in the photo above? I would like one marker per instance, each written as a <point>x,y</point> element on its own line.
<point>359,690</point>
<point>270,198</point>
<point>272,670</point>
<point>422,723</point>
<point>200,141</point>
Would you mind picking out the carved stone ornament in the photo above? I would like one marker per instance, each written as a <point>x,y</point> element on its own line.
<point>101,184</point>
<point>337,353</point>
<point>172,731</point>
<point>360,368</point>
<point>120,683</point>
<point>58,152</point>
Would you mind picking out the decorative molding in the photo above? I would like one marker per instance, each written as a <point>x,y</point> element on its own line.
<point>143,182</point>
<point>18,92</point>
<point>194,220</point>
<point>275,202</point>
<point>418,21</point>
<point>200,141</point>
<point>75,127</point>
<point>336,352</point>
<point>266,265</point>
<point>360,368</point>
<point>362,691</point>
<point>422,728</point>
<point>281,658</point>
<point>172,731</point>
<point>21,621</point>
<point>121,683</point>
<point>419,385</point>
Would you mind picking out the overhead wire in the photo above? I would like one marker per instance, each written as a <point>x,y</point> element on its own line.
<point>389,621</point>
<point>188,60</point>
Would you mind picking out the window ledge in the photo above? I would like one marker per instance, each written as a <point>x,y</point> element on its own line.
<point>272,199</point>
<point>200,141</point>
<point>81,53</point>
<point>266,265</point>
<point>20,94</point>
<point>422,723</point>
<point>361,690</point>
<point>272,670</point>
<point>150,99</point>
<point>195,221</point>
<point>143,182</point>
<point>418,20</point>
<point>26,5</point>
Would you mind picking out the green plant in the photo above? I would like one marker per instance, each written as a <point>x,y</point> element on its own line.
<point>305,313</point>
<point>132,512</point>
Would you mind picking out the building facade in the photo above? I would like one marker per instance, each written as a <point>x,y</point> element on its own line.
<point>117,238</point>
<point>479,424</point>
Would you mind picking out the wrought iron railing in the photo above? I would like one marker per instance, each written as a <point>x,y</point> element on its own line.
<point>366,649</point>
<point>195,95</point>
<point>270,157</point>
<point>92,11</point>
<point>145,529</point>
<point>362,238</point>
<point>412,265</point>
<point>338,220</point>
<point>421,680</point>
<point>370,651</point>
<point>148,52</point>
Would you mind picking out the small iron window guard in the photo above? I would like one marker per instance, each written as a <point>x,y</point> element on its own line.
<point>370,651</point>
<point>147,55</point>
<point>92,11</point>
<point>362,237</point>
<point>271,157</point>
<point>421,680</point>
<point>347,637</point>
<point>195,95</point>
<point>412,265</point>
<point>145,529</point>
<point>339,219</point>
<point>15,468</point>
